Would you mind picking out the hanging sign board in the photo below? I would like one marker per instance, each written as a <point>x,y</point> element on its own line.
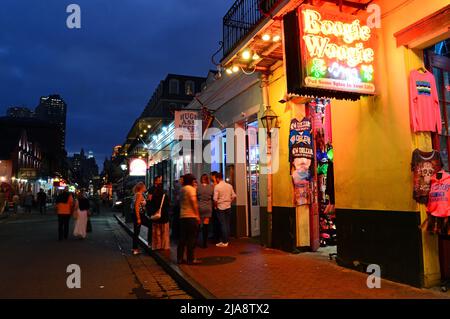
<point>329,53</point>
<point>337,51</point>
<point>188,125</point>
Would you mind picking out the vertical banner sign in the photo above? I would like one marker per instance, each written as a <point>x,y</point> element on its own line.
<point>188,124</point>
<point>301,154</point>
<point>338,51</point>
<point>207,119</point>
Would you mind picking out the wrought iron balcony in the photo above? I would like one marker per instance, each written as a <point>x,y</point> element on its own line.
<point>242,18</point>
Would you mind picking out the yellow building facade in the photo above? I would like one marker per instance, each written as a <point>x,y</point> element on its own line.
<point>378,219</point>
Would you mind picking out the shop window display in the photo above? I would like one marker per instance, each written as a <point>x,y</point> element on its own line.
<point>321,113</point>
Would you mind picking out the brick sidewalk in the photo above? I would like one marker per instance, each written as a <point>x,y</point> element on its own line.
<point>247,270</point>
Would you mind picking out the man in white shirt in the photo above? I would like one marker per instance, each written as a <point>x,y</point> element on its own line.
<point>224,195</point>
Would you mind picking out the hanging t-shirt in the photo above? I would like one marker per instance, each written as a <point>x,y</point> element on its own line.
<point>300,139</point>
<point>424,165</point>
<point>425,112</point>
<point>438,202</point>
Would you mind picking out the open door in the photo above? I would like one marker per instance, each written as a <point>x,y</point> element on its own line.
<point>253,178</point>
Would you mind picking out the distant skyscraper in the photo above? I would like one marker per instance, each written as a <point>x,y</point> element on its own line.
<point>53,109</point>
<point>19,112</point>
<point>90,154</point>
<point>83,169</point>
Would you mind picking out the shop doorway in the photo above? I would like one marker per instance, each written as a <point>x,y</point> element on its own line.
<point>322,216</point>
<point>253,179</point>
<point>437,61</point>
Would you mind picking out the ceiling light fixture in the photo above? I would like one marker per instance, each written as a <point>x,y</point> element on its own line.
<point>266,37</point>
<point>246,55</point>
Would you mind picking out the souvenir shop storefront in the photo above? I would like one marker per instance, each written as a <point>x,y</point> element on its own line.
<point>362,120</point>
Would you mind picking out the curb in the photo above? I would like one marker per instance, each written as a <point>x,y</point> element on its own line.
<point>184,280</point>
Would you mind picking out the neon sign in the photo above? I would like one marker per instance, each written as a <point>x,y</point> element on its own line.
<point>337,51</point>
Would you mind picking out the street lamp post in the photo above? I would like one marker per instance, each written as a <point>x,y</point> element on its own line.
<point>269,122</point>
<point>124,168</point>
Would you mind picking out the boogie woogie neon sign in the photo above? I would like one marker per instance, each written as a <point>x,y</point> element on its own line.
<point>337,51</point>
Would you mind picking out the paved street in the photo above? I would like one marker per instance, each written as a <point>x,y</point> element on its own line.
<point>33,262</point>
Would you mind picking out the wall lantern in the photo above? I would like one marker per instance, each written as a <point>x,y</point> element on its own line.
<point>269,119</point>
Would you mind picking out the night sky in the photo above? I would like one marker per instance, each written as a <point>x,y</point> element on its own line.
<point>107,70</point>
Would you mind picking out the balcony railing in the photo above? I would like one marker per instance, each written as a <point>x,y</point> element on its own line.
<point>242,18</point>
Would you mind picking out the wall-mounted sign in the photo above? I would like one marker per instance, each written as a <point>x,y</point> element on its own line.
<point>138,167</point>
<point>27,173</point>
<point>188,125</point>
<point>301,154</point>
<point>337,51</point>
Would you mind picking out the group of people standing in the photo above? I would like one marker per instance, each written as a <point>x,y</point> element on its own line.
<point>67,206</point>
<point>27,200</point>
<point>195,207</point>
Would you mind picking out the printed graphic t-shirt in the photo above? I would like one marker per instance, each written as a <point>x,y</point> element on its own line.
<point>424,165</point>
<point>425,112</point>
<point>438,202</point>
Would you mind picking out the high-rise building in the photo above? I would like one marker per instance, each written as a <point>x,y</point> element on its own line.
<point>19,112</point>
<point>53,109</point>
<point>83,168</point>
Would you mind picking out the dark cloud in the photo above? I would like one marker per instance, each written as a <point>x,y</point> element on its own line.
<point>107,70</point>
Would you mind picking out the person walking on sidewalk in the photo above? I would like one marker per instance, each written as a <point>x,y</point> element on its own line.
<point>139,216</point>
<point>205,192</point>
<point>42,201</point>
<point>3,200</point>
<point>82,214</point>
<point>215,218</point>
<point>16,201</point>
<point>64,209</point>
<point>189,221</point>
<point>224,195</point>
<point>159,206</point>
<point>28,201</point>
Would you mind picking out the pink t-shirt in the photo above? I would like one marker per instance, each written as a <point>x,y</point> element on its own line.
<point>425,113</point>
<point>439,197</point>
